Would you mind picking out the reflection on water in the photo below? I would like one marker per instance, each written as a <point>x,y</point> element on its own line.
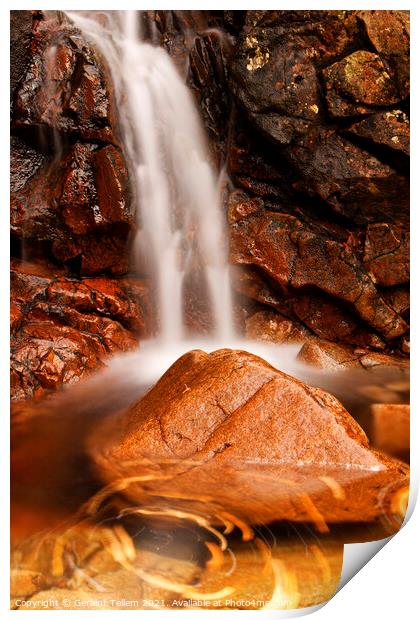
<point>171,564</point>
<point>75,540</point>
<point>163,556</point>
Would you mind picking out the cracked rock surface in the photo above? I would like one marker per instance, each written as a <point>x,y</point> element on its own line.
<point>63,328</point>
<point>308,111</point>
<point>229,429</point>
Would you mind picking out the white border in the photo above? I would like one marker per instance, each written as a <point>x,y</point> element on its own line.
<point>388,586</point>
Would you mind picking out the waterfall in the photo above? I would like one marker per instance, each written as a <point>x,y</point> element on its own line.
<point>181,224</point>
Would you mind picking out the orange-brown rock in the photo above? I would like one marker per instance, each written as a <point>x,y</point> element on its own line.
<point>65,87</point>
<point>272,327</point>
<point>80,205</point>
<point>387,254</point>
<point>299,148</point>
<point>226,432</point>
<point>332,356</point>
<point>292,73</point>
<point>359,80</point>
<point>389,33</point>
<point>70,188</point>
<point>390,129</point>
<point>311,314</point>
<point>63,328</point>
<point>390,428</point>
<point>298,256</point>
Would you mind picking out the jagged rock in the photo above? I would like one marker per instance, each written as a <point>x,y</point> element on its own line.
<point>398,297</point>
<point>227,432</point>
<point>283,82</point>
<point>360,80</point>
<point>66,87</point>
<point>63,328</point>
<point>70,187</point>
<point>387,254</point>
<point>332,322</point>
<point>274,69</point>
<point>296,255</point>
<point>390,129</point>
<point>389,33</point>
<point>80,205</point>
<point>289,72</point>
<point>313,315</point>
<point>272,327</point>
<point>20,41</point>
<point>353,183</point>
<point>332,356</point>
<point>326,33</point>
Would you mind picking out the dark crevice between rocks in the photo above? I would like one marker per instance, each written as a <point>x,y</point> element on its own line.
<point>397,160</point>
<point>53,143</point>
<point>31,250</point>
<point>282,302</point>
<point>75,265</point>
<point>16,246</point>
<point>44,139</point>
<point>234,21</point>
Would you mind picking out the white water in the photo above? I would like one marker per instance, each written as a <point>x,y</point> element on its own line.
<point>177,191</point>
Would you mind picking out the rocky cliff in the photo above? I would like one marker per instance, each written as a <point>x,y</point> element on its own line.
<point>308,112</point>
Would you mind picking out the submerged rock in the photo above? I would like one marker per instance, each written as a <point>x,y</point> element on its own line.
<point>227,433</point>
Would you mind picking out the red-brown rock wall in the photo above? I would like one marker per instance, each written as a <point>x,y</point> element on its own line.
<point>307,111</point>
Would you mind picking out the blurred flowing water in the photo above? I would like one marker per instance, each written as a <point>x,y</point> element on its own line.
<point>181,225</point>
<point>181,230</point>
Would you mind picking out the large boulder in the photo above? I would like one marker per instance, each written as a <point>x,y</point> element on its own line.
<point>227,433</point>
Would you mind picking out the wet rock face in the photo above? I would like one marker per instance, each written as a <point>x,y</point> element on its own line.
<point>320,144</point>
<point>387,254</point>
<point>308,112</point>
<point>69,179</point>
<point>297,256</point>
<point>65,86</point>
<point>316,133</point>
<point>62,328</point>
<point>78,205</point>
<point>71,211</point>
<point>212,415</point>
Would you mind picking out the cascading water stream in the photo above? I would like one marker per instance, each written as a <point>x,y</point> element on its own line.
<point>178,193</point>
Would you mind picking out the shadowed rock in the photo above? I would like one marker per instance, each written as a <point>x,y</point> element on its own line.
<point>297,255</point>
<point>70,183</point>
